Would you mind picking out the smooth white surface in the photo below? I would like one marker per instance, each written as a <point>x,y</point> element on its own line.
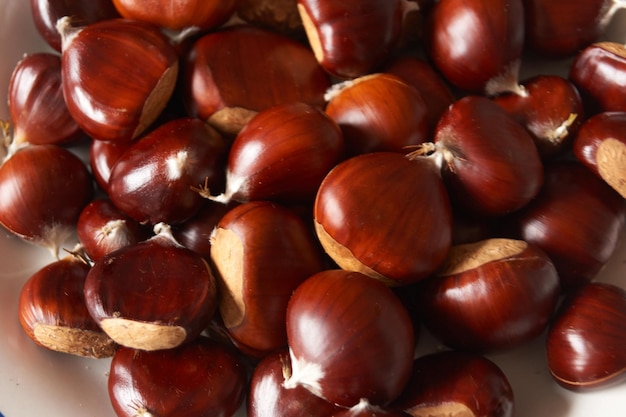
<point>37,382</point>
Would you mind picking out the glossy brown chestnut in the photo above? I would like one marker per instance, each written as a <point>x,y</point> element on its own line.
<point>46,14</point>
<point>200,15</point>
<point>152,295</point>
<point>36,104</point>
<point>599,73</point>
<point>491,295</point>
<point>350,338</point>
<point>576,219</point>
<point>152,180</point>
<point>489,161</point>
<point>378,112</point>
<point>268,397</point>
<point>550,108</point>
<point>352,38</point>
<point>200,379</point>
<point>368,191</point>
<point>477,44</point>
<point>53,314</point>
<point>561,28</point>
<point>457,383</point>
<point>44,188</point>
<point>601,146</point>
<point>103,228</point>
<point>230,75</point>
<point>585,344</point>
<point>422,75</point>
<point>261,251</point>
<point>118,76</point>
<point>282,154</point>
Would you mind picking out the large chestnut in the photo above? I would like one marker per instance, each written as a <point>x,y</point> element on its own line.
<point>577,219</point>
<point>118,76</point>
<point>202,379</point>
<point>489,162</point>
<point>601,146</point>
<point>261,251</point>
<point>350,338</point>
<point>455,383</point>
<point>384,215</point>
<point>491,295</point>
<point>586,343</point>
<point>151,295</point>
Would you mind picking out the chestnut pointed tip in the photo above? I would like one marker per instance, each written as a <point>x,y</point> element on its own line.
<point>67,30</point>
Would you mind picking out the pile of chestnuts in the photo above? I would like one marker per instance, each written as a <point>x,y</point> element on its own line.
<point>275,198</point>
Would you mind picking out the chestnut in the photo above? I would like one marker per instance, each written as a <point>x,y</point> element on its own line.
<point>550,108</point>
<point>152,295</point>
<point>352,38</point>
<point>477,44</point>
<point>350,338</point>
<point>599,73</point>
<point>380,188</point>
<point>152,179</point>
<point>277,15</point>
<point>491,295</point>
<point>601,146</point>
<point>232,73</point>
<point>577,219</point>
<point>585,344</point>
<point>378,112</point>
<point>36,102</point>
<point>261,252</point>
<point>118,76</point>
<point>450,383</point>
<point>53,313</point>
<point>202,378</point>
<point>268,397</point>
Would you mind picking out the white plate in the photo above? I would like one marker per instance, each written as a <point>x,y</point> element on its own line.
<point>38,382</point>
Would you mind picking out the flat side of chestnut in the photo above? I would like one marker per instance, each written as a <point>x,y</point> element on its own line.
<point>144,336</point>
<point>75,341</point>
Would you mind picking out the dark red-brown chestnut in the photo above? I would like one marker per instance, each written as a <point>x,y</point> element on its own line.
<point>477,44</point>
<point>352,38</point>
<point>601,146</point>
<point>152,295</point>
<point>282,154</point>
<point>202,379</point>
<point>118,76</point>
<point>576,219</point>
<point>152,180</point>
<point>268,397</point>
<point>384,215</point>
<point>232,73</point>
<point>53,314</point>
<point>36,104</point>
<point>350,338</point>
<point>102,228</point>
<point>455,383</point>
<point>491,295</point>
<point>550,108</point>
<point>44,188</point>
<point>489,161</point>
<point>585,344</point>
<point>261,252</point>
